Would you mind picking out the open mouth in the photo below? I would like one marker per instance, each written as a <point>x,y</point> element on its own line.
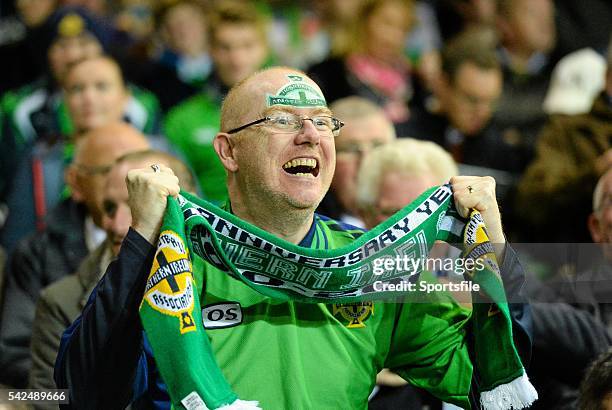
<point>305,167</point>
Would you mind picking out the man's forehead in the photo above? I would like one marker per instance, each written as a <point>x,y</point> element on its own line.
<point>98,62</point>
<point>116,177</point>
<point>94,67</point>
<point>291,89</point>
<point>279,109</point>
<point>79,40</point>
<point>372,127</point>
<point>115,180</point>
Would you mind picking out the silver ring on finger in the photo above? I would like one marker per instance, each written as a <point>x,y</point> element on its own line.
<point>155,168</point>
<point>470,189</point>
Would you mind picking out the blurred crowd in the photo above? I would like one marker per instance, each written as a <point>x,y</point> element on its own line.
<point>520,90</point>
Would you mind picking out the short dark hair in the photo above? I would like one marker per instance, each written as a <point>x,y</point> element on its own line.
<point>160,14</point>
<point>236,12</point>
<point>597,383</point>
<point>475,46</point>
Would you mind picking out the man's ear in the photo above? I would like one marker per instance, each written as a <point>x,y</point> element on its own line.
<point>71,179</point>
<point>225,151</point>
<point>595,229</point>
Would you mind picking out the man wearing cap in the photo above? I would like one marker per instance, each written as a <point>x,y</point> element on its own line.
<point>36,115</point>
<point>279,155</point>
<point>367,127</point>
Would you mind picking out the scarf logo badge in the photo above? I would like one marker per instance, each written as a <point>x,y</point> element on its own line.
<point>356,313</point>
<point>170,287</point>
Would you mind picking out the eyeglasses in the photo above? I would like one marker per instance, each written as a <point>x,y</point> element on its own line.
<point>292,123</point>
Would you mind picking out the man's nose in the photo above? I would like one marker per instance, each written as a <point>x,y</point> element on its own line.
<point>122,221</point>
<point>89,94</point>
<point>308,133</point>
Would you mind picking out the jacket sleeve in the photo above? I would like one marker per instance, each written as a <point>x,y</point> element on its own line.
<point>568,339</point>
<point>514,279</point>
<point>101,359</point>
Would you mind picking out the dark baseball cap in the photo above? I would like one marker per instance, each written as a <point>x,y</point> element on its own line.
<point>68,22</point>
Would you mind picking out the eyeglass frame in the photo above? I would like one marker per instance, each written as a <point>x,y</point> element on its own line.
<point>268,118</point>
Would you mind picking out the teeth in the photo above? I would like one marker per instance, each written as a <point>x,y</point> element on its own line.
<point>302,174</point>
<point>308,162</point>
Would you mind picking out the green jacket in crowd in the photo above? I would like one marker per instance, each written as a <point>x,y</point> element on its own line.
<point>37,112</point>
<point>191,127</point>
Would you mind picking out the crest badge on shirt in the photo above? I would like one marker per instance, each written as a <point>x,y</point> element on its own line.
<point>355,313</point>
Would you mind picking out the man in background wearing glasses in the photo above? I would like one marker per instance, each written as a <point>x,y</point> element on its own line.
<point>367,127</point>
<point>467,94</point>
<point>277,147</point>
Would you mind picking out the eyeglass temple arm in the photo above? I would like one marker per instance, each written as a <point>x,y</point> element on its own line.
<point>259,121</point>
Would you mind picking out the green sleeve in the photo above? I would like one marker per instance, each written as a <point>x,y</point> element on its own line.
<point>151,105</point>
<point>429,349</point>
<point>9,102</point>
<point>13,142</point>
<point>191,127</point>
<point>65,122</point>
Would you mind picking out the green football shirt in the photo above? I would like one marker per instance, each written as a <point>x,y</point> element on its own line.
<point>191,127</point>
<point>290,355</point>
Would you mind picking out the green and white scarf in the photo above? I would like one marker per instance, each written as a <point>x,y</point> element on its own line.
<point>171,313</point>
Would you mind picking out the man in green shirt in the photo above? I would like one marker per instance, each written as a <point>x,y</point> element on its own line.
<point>37,112</point>
<point>277,147</point>
<point>38,125</point>
<point>238,47</point>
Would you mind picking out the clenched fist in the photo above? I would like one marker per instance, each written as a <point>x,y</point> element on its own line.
<point>479,193</point>
<point>148,189</point>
